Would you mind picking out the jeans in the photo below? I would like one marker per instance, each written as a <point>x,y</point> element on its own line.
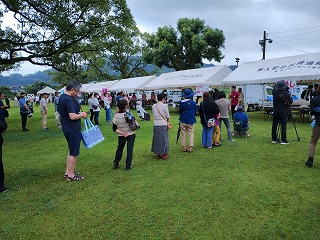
<point>108,114</point>
<point>24,117</point>
<point>282,119</point>
<point>227,124</point>
<point>207,136</point>
<point>121,143</point>
<point>96,117</point>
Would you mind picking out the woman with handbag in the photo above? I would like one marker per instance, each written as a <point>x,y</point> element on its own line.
<point>96,108</point>
<point>125,135</point>
<point>160,140</point>
<point>208,111</point>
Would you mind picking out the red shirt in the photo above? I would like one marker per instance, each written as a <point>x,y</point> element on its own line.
<point>234,98</point>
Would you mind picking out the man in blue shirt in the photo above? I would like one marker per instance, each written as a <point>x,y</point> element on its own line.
<point>24,111</point>
<point>69,109</point>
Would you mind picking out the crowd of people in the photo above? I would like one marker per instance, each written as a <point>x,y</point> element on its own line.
<point>213,108</point>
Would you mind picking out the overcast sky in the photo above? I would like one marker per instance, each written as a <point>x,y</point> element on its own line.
<point>293,25</point>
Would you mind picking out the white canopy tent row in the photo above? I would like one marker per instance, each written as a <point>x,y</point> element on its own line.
<point>97,87</point>
<point>48,90</point>
<point>290,69</point>
<point>211,76</point>
<point>130,85</point>
<point>294,68</point>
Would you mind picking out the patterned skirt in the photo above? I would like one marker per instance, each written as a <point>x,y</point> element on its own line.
<point>160,140</point>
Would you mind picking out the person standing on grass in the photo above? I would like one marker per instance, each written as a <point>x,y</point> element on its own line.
<point>224,107</point>
<point>3,127</point>
<point>208,110</point>
<point>234,99</point>
<point>281,102</point>
<point>24,111</point>
<point>44,110</point>
<point>125,135</point>
<point>96,108</point>
<point>56,112</point>
<point>3,107</point>
<point>107,107</point>
<point>70,114</point>
<point>160,139</point>
<point>315,135</point>
<point>90,102</point>
<point>187,110</point>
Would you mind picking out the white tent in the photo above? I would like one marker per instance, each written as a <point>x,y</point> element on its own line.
<point>294,68</point>
<point>47,89</point>
<point>97,87</point>
<point>85,86</point>
<point>131,84</point>
<point>211,76</point>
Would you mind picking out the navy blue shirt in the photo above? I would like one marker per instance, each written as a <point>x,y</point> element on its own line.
<point>67,104</point>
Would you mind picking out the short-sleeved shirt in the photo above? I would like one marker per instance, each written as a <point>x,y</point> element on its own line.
<point>43,103</point>
<point>234,98</point>
<point>223,105</point>
<point>22,101</point>
<point>67,104</point>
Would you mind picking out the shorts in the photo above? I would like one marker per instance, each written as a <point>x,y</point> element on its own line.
<point>73,139</point>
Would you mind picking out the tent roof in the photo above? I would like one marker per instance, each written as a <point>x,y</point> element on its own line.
<point>97,87</point>
<point>132,84</point>
<point>301,67</point>
<point>47,89</point>
<point>85,86</point>
<point>211,76</point>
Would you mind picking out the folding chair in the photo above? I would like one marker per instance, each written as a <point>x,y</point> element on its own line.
<point>238,129</point>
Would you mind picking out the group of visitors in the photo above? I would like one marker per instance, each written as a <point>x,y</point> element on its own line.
<point>212,113</point>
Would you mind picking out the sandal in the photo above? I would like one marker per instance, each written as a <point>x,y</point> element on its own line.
<point>75,178</point>
<point>185,149</point>
<point>190,150</point>
<point>75,173</point>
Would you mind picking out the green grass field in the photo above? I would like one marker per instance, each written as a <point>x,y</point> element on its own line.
<point>248,189</point>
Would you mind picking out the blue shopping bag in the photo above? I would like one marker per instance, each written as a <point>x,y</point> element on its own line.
<point>91,135</point>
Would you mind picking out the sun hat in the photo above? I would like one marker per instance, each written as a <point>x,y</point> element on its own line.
<point>281,85</point>
<point>187,94</point>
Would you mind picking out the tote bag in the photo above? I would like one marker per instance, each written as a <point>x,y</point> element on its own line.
<point>91,135</point>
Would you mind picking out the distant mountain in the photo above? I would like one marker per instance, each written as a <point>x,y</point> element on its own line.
<point>42,76</point>
<point>20,80</point>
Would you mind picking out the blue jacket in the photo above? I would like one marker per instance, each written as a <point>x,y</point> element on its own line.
<point>188,110</point>
<point>243,117</point>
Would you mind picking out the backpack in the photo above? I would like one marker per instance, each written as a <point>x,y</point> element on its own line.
<point>130,119</point>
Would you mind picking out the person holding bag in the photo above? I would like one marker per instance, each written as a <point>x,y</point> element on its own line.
<point>70,114</point>
<point>208,110</point>
<point>160,140</point>
<point>125,135</point>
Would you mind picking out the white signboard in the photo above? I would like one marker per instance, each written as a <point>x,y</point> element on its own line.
<point>200,89</point>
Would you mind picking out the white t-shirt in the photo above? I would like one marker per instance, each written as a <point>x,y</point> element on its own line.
<point>43,104</point>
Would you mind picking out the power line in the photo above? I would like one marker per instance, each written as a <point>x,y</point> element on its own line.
<point>295,30</point>
<point>297,34</point>
<point>290,47</point>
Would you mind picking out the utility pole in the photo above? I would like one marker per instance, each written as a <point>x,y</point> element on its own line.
<point>263,44</point>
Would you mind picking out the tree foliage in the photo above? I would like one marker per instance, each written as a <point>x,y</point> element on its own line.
<point>59,33</point>
<point>186,47</point>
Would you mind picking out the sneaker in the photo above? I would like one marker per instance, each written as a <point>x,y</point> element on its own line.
<point>129,168</point>
<point>231,140</point>
<point>216,145</point>
<point>116,165</point>
<point>3,189</point>
<point>274,141</point>
<point>210,147</point>
<point>284,142</point>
